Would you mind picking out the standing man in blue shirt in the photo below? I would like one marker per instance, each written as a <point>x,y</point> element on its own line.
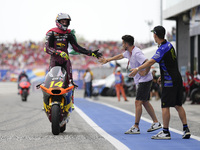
<point>171,81</point>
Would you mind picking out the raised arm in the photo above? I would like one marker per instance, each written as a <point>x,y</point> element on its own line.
<point>105,60</point>
<point>82,50</point>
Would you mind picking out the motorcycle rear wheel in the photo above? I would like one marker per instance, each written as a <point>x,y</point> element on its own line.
<point>24,95</point>
<point>24,99</point>
<point>55,119</point>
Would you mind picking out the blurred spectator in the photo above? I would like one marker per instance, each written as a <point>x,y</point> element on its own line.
<point>88,77</point>
<point>31,54</point>
<point>22,55</point>
<point>196,75</point>
<point>190,81</point>
<point>169,37</point>
<point>119,83</point>
<point>155,86</point>
<point>173,33</point>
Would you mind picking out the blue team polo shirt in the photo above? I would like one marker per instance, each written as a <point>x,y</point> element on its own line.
<point>166,57</point>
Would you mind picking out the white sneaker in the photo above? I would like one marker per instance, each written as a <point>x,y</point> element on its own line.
<point>162,135</point>
<point>133,130</point>
<point>154,126</point>
<point>186,134</point>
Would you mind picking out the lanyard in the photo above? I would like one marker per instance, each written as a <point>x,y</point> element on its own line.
<point>128,64</point>
<point>129,61</point>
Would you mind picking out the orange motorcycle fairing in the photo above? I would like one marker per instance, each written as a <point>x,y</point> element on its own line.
<point>56,91</point>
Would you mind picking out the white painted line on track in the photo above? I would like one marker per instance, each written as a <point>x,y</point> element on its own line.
<point>143,118</point>
<point>119,145</point>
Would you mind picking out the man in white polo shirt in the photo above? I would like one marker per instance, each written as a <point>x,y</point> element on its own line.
<point>143,80</point>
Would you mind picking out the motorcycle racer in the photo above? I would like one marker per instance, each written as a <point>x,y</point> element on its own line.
<point>57,40</point>
<point>21,75</point>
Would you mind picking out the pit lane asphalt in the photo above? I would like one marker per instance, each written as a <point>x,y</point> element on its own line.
<point>24,126</point>
<point>192,112</point>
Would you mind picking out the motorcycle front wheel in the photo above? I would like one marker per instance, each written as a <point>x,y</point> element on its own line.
<point>55,119</point>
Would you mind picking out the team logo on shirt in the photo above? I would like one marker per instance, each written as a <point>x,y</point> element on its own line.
<point>157,55</point>
<point>173,53</point>
<point>61,45</point>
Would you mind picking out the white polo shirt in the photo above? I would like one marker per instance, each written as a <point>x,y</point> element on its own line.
<point>136,59</point>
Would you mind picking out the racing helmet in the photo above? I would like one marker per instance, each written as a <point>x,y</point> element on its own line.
<point>61,16</point>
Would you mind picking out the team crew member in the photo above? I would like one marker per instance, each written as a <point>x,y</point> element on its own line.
<point>119,83</point>
<point>171,80</point>
<point>143,81</point>
<point>88,77</point>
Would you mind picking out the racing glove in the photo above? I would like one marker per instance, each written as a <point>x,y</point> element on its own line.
<point>62,54</point>
<point>96,54</point>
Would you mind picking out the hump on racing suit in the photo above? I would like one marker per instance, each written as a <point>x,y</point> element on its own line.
<point>23,75</point>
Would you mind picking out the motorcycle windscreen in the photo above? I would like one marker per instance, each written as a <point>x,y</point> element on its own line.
<point>55,77</point>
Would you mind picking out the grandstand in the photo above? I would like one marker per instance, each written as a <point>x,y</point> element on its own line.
<point>30,56</point>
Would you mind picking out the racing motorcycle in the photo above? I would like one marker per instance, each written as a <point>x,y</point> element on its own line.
<point>195,93</point>
<point>57,99</point>
<point>24,86</point>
